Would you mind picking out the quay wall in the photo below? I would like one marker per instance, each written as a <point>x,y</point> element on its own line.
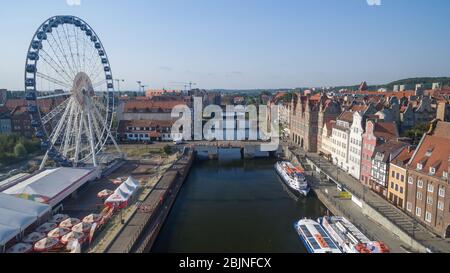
<point>149,236</point>
<point>141,229</point>
<point>366,209</point>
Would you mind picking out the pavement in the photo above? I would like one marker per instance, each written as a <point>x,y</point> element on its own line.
<point>394,214</point>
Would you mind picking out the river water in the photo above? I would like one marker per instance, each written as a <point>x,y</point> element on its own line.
<point>235,205</point>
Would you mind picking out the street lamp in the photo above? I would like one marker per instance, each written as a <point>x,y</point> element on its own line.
<point>118,84</point>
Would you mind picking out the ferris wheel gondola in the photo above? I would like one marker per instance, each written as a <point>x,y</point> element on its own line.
<point>67,61</point>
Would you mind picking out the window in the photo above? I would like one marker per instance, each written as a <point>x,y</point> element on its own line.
<point>429,200</point>
<point>393,174</point>
<point>420,183</point>
<point>432,171</point>
<point>428,217</point>
<point>396,187</point>
<point>403,178</point>
<point>419,166</point>
<point>442,192</point>
<point>419,196</point>
<point>445,174</point>
<point>401,190</point>
<point>410,180</point>
<point>430,188</point>
<point>409,206</point>
<point>440,205</point>
<point>418,212</point>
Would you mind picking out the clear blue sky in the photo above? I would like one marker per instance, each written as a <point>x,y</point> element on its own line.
<point>247,43</point>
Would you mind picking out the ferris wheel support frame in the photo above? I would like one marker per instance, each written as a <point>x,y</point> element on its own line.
<point>84,115</point>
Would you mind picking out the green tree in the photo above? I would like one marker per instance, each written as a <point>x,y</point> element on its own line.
<point>167,149</point>
<point>416,132</point>
<point>20,151</point>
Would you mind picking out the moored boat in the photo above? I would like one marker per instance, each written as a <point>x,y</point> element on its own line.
<point>293,177</point>
<point>315,238</point>
<point>349,238</point>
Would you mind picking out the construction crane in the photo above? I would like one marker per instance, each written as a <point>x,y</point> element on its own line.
<point>186,84</point>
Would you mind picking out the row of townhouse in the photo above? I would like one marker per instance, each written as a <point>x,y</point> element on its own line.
<point>415,179</point>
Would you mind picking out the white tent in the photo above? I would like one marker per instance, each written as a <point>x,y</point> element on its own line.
<point>7,233</point>
<point>132,183</point>
<point>17,214</point>
<point>117,197</point>
<point>53,185</point>
<point>23,206</point>
<point>123,193</point>
<point>16,219</point>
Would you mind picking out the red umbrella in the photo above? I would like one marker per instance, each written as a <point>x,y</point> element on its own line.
<point>118,181</point>
<point>69,223</point>
<point>20,248</point>
<point>46,244</point>
<point>59,218</point>
<point>46,228</point>
<point>82,227</point>
<point>73,236</point>
<point>92,218</point>
<point>104,194</point>
<point>58,232</point>
<point>34,237</point>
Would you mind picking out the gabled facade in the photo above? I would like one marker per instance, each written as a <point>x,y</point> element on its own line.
<point>355,145</point>
<point>376,133</point>
<point>341,140</point>
<point>397,186</point>
<point>381,160</point>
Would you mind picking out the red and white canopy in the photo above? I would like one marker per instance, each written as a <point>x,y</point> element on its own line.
<point>58,232</point>
<point>69,223</point>
<point>34,237</point>
<point>47,227</point>
<point>46,244</point>
<point>92,218</point>
<point>73,236</point>
<point>58,218</point>
<point>104,193</point>
<point>82,227</point>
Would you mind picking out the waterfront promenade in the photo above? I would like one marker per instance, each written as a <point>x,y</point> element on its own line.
<point>141,228</point>
<point>400,219</point>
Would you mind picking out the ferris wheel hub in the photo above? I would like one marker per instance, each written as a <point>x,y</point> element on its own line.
<point>82,88</point>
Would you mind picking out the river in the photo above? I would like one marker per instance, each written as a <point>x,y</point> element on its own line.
<point>235,205</point>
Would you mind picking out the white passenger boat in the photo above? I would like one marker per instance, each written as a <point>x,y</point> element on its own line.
<point>349,238</point>
<point>293,177</point>
<point>315,238</point>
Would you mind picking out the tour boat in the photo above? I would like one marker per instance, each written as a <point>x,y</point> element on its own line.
<point>293,177</point>
<point>315,238</point>
<point>349,238</point>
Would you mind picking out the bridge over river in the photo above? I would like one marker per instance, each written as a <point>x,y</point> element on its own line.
<point>249,149</point>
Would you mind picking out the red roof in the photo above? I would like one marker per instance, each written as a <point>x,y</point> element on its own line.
<point>403,157</point>
<point>359,108</point>
<point>434,150</point>
<point>385,130</point>
<point>150,105</point>
<point>346,116</point>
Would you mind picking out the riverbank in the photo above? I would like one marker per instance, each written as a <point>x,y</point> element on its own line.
<point>368,209</point>
<point>141,228</point>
